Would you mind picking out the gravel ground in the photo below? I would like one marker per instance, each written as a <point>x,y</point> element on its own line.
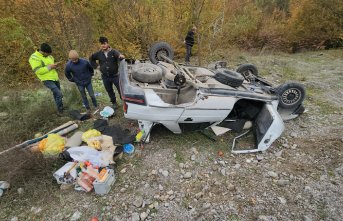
<point>182,177</point>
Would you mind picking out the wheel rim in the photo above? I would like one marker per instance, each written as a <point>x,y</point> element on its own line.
<point>291,96</point>
<point>247,73</point>
<point>160,53</point>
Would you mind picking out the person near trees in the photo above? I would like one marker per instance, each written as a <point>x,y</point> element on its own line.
<point>44,66</point>
<point>108,60</point>
<point>189,42</point>
<point>80,71</point>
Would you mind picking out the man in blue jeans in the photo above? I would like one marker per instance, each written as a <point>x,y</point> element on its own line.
<point>80,71</point>
<point>108,60</point>
<point>44,66</point>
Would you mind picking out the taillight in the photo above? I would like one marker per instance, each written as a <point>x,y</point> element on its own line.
<point>125,107</point>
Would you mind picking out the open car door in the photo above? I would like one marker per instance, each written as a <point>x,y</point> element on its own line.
<point>267,127</point>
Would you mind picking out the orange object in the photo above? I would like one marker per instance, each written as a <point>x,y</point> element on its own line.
<point>94,219</point>
<point>86,181</point>
<point>87,163</point>
<point>220,153</point>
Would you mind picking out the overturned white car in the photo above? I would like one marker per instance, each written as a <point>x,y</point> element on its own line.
<point>185,98</point>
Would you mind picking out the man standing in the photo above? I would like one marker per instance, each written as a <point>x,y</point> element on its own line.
<point>80,71</point>
<point>189,41</point>
<point>108,59</point>
<point>44,66</point>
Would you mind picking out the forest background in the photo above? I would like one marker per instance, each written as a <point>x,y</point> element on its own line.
<point>133,25</point>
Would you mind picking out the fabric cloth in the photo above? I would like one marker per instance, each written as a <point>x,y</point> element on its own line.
<point>39,65</point>
<point>76,115</point>
<point>118,134</point>
<point>89,88</point>
<point>108,84</point>
<point>80,72</point>
<point>108,64</point>
<point>55,88</point>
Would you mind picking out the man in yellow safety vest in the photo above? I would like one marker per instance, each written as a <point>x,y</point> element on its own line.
<point>44,66</point>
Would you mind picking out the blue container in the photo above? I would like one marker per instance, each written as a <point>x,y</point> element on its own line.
<point>129,148</point>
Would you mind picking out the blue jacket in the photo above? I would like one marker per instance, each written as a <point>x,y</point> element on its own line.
<point>81,72</point>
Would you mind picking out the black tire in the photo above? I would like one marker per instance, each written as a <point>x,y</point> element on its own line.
<point>228,77</point>
<point>248,71</point>
<point>158,49</point>
<point>146,73</point>
<point>291,95</point>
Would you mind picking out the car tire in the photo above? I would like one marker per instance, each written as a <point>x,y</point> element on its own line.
<point>228,77</point>
<point>291,95</point>
<point>248,71</point>
<point>147,73</point>
<point>158,49</point>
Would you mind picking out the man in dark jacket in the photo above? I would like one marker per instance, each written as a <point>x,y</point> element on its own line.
<point>80,71</point>
<point>189,41</point>
<point>108,60</point>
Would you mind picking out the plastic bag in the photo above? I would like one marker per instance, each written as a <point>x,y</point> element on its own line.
<point>90,134</point>
<point>107,112</point>
<point>96,158</point>
<point>52,145</point>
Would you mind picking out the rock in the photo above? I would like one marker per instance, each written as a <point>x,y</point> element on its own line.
<point>221,163</point>
<point>231,187</point>
<point>199,195</point>
<point>122,190</point>
<point>187,175</point>
<point>14,218</point>
<point>153,172</point>
<point>135,217</point>
<point>123,170</point>
<point>285,145</point>
<point>138,202</point>
<point>76,216</point>
<point>223,171</point>
<point>170,192</point>
<point>206,205</point>
<point>279,153</point>
<point>307,218</point>
<point>4,185</point>
<point>237,166</point>
<point>282,200</point>
<point>165,173</point>
<point>193,157</point>
<point>339,170</point>
<point>266,218</point>
<point>194,150</point>
<point>3,114</point>
<point>294,134</point>
<point>259,157</point>
<point>1,192</point>
<point>249,160</point>
<point>272,174</point>
<point>143,215</point>
<point>294,146</point>
<point>166,204</point>
<point>160,187</point>
<point>283,182</point>
<point>20,190</point>
<point>181,165</point>
<point>36,210</point>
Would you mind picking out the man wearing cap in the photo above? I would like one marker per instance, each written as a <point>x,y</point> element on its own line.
<point>108,60</point>
<point>44,66</point>
<point>80,71</point>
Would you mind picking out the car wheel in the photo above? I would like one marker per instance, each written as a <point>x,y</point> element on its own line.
<point>158,49</point>
<point>147,73</point>
<point>228,77</point>
<point>291,95</point>
<point>248,71</point>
